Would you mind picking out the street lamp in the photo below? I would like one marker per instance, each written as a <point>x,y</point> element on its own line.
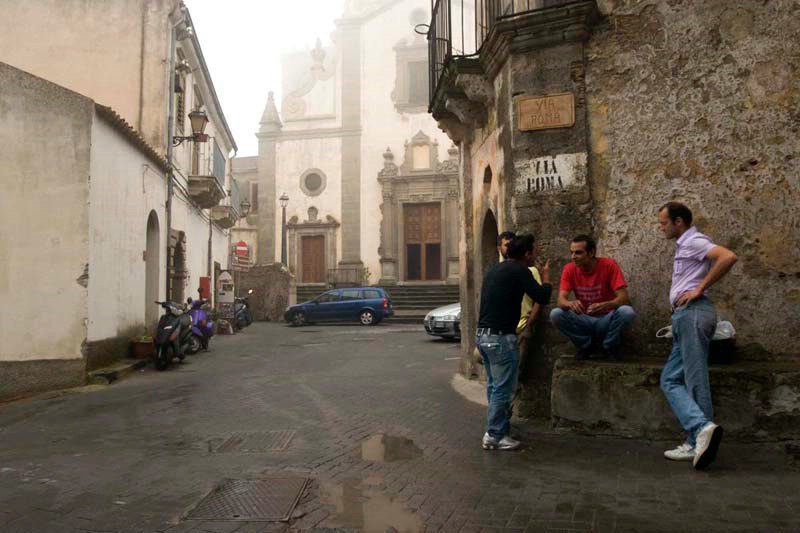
<point>284,200</point>
<point>198,119</point>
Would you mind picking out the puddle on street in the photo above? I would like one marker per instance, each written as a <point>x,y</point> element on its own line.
<point>385,448</point>
<point>358,506</point>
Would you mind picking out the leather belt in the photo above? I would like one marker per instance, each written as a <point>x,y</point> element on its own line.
<point>488,331</point>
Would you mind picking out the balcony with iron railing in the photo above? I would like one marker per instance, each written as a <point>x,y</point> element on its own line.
<point>227,214</point>
<point>466,37</point>
<point>207,176</point>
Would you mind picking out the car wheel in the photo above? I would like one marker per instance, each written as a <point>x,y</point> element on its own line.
<point>299,319</point>
<point>367,318</point>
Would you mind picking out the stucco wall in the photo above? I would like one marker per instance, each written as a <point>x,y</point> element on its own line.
<point>187,218</point>
<point>111,51</point>
<point>698,101</point>
<point>294,158</point>
<point>382,125</point>
<point>44,245</point>
<point>126,186</point>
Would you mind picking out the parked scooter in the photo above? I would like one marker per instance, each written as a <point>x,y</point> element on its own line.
<point>202,326</point>
<point>243,317</point>
<point>172,335</point>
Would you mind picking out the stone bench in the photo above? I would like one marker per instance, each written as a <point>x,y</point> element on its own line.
<point>753,400</point>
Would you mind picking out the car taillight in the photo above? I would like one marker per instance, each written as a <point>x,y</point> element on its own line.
<point>385,303</point>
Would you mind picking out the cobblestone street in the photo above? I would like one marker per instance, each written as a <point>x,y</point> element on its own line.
<point>369,416</point>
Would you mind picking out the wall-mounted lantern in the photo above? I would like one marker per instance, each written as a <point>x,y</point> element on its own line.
<point>198,120</point>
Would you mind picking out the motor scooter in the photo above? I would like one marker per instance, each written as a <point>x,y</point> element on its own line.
<point>243,317</point>
<point>172,335</point>
<point>202,326</point>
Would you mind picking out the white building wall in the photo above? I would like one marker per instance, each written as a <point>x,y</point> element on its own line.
<point>44,220</point>
<point>382,125</point>
<point>194,223</point>
<point>293,159</point>
<point>125,187</point>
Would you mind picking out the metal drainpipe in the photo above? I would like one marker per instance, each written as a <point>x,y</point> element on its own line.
<point>170,133</point>
<point>230,230</point>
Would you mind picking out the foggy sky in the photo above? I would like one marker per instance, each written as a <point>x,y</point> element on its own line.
<point>242,42</point>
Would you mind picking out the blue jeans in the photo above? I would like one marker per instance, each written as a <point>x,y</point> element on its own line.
<point>684,379</point>
<point>500,359</point>
<point>583,329</point>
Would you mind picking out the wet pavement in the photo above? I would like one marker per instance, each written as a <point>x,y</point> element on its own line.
<point>363,424</point>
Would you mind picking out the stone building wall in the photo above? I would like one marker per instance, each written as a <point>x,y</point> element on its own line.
<point>273,290</point>
<point>673,100</point>
<point>700,102</point>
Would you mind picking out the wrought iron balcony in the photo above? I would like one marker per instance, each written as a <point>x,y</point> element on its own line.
<point>207,178</point>
<point>460,30</point>
<point>227,214</point>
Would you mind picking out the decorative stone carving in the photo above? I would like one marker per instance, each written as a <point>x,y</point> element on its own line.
<point>411,183</point>
<point>420,154</point>
<point>294,104</point>
<point>477,87</point>
<point>389,167</point>
<point>450,165</point>
<point>313,227</point>
<point>469,112</point>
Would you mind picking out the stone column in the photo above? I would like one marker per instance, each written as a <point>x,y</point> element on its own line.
<point>268,137</point>
<point>388,245</point>
<point>350,39</point>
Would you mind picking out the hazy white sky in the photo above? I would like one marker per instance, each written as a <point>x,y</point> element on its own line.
<point>242,42</point>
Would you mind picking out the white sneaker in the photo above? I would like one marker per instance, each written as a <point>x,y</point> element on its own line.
<point>506,443</point>
<point>684,452</point>
<point>707,444</point>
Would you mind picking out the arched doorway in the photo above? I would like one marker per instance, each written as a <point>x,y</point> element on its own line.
<point>152,269</point>
<point>489,256</point>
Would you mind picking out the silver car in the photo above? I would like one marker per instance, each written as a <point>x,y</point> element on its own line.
<point>444,321</point>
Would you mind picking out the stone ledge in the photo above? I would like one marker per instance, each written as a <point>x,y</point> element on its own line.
<point>754,401</point>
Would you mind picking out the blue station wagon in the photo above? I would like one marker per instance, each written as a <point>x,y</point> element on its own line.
<point>368,305</point>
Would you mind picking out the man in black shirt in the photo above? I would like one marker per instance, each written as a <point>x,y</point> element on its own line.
<point>501,297</point>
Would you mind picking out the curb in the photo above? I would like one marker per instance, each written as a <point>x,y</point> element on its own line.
<point>469,389</point>
<point>110,374</point>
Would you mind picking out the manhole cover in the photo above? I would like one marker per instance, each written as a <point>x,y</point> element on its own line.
<point>260,500</point>
<point>265,441</point>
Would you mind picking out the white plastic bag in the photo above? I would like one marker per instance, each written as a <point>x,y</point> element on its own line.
<point>723,331</point>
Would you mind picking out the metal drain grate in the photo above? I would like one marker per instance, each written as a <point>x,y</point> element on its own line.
<point>261,442</point>
<point>257,500</point>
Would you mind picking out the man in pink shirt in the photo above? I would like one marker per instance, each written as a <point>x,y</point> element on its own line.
<point>699,263</point>
<point>601,309</point>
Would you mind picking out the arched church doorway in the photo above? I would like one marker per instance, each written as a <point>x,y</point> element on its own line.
<point>152,268</point>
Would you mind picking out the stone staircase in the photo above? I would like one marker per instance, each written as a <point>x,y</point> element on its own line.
<point>411,302</point>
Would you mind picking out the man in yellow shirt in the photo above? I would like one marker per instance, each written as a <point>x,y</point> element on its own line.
<point>529,313</point>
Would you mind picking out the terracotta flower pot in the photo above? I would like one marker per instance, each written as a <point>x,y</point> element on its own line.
<point>142,349</point>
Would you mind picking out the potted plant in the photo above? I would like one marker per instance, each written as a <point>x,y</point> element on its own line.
<point>142,347</point>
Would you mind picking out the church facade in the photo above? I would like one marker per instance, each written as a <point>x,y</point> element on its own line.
<point>369,181</point>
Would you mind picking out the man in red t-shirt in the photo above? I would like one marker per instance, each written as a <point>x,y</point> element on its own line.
<point>601,309</point>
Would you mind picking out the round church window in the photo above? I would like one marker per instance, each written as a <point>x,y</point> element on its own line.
<point>312,182</point>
